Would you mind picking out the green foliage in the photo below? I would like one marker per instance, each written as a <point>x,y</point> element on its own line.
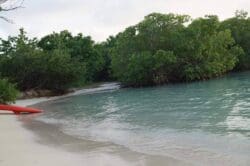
<point>8,92</point>
<point>139,69</point>
<point>161,49</point>
<point>147,69</point>
<point>80,48</point>
<point>32,68</point>
<point>240,28</point>
<point>61,70</point>
<point>156,32</point>
<point>165,64</point>
<point>211,52</point>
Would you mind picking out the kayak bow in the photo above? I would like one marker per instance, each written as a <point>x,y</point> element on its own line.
<point>19,110</point>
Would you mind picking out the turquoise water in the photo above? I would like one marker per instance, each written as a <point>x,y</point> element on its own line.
<point>206,121</point>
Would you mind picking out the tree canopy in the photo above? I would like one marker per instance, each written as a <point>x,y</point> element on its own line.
<point>162,48</point>
<point>240,29</point>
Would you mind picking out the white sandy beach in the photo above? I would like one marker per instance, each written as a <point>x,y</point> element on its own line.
<point>19,148</point>
<point>22,146</point>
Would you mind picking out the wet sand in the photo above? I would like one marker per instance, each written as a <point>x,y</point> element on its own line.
<point>25,141</point>
<point>104,153</point>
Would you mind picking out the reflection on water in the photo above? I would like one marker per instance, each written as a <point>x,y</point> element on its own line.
<point>202,121</point>
<point>238,119</point>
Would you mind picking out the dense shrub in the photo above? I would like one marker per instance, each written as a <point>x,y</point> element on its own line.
<point>240,28</point>
<point>161,49</point>
<point>31,67</point>
<point>8,92</point>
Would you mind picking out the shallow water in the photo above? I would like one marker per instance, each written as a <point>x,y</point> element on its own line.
<point>202,122</point>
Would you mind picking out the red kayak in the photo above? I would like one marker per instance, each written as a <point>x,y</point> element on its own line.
<point>19,110</point>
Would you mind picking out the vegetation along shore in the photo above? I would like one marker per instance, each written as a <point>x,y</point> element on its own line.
<point>161,49</point>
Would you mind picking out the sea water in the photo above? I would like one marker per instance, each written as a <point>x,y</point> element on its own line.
<point>200,122</point>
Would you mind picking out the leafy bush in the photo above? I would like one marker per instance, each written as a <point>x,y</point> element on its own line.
<point>32,68</point>
<point>8,92</point>
<point>60,71</point>
<point>146,69</point>
<point>161,49</point>
<point>240,28</point>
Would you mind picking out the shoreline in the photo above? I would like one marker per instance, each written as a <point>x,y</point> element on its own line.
<point>51,135</point>
<point>31,142</point>
<point>44,93</point>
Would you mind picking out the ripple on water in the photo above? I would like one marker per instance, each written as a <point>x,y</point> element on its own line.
<point>198,122</point>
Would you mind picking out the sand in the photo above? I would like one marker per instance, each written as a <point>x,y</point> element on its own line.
<point>20,146</point>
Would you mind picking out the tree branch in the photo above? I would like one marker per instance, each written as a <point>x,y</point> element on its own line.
<point>6,19</point>
<point>10,8</point>
<point>14,7</point>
